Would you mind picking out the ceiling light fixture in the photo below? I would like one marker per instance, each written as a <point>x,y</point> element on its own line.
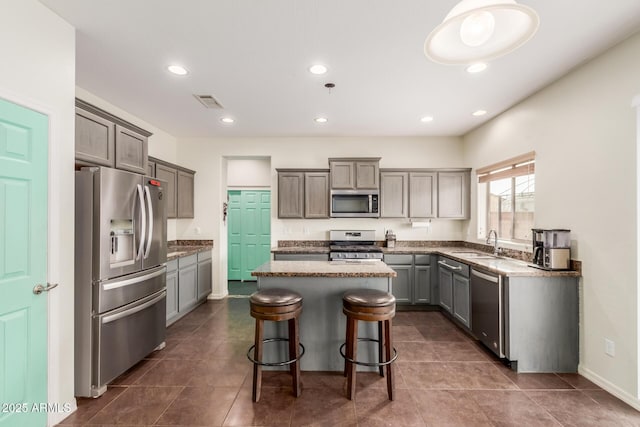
<point>426,119</point>
<point>479,113</point>
<point>481,30</point>
<point>178,70</point>
<point>227,120</point>
<point>321,120</point>
<point>477,67</point>
<point>317,69</point>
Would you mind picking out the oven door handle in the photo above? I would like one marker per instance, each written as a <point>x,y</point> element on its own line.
<point>133,310</point>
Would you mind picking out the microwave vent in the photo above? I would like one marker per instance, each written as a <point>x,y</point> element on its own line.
<point>209,101</point>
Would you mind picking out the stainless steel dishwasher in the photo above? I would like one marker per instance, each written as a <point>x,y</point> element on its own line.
<point>487,321</point>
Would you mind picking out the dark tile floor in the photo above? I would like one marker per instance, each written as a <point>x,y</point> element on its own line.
<point>202,378</point>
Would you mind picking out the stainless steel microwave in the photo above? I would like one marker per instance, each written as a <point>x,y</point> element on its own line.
<point>355,204</point>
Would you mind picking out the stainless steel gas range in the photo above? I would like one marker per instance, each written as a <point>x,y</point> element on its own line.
<point>354,245</point>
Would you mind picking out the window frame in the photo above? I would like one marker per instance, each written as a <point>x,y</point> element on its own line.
<point>514,167</point>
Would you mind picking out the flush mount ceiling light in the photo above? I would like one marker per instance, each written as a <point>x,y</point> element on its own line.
<point>321,120</point>
<point>477,67</point>
<point>178,70</point>
<point>481,30</point>
<point>479,113</point>
<point>227,120</point>
<point>317,69</point>
<point>426,119</point>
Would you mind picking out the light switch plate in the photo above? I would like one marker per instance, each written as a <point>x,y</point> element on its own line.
<point>609,347</point>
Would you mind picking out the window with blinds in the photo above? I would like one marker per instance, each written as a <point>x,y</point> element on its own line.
<point>506,198</point>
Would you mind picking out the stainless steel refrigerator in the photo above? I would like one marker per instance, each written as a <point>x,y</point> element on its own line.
<point>120,274</point>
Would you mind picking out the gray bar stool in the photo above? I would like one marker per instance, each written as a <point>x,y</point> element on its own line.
<point>369,305</point>
<point>276,305</point>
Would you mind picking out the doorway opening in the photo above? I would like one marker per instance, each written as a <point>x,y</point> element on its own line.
<point>248,222</point>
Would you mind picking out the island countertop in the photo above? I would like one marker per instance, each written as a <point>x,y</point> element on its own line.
<point>323,269</point>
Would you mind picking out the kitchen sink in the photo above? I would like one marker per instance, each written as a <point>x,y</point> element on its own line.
<point>475,255</point>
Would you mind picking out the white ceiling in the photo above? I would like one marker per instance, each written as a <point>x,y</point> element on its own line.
<point>253,55</point>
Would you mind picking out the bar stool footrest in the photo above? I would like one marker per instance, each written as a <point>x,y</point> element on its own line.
<point>376,364</point>
<point>284,363</point>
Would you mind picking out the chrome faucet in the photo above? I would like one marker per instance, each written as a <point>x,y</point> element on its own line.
<point>496,250</point>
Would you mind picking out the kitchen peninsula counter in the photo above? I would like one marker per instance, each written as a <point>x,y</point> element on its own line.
<point>182,248</point>
<point>322,323</point>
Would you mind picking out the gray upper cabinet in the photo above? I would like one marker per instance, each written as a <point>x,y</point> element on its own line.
<point>185,194</point>
<point>352,174</point>
<point>179,194</point>
<point>170,175</point>
<point>422,194</point>
<point>453,195</point>
<point>131,150</point>
<point>151,168</point>
<point>290,194</point>
<point>95,139</point>
<point>106,140</point>
<point>316,194</point>
<point>303,193</point>
<point>393,194</point>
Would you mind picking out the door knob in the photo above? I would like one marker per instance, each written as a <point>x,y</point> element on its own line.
<point>38,289</point>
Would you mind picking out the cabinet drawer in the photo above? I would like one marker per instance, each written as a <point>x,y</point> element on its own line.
<point>172,265</point>
<point>204,255</point>
<point>454,266</point>
<point>422,259</point>
<point>187,260</point>
<point>398,259</point>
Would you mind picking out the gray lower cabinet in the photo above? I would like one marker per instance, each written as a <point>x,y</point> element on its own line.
<point>455,292</point>
<point>188,283</point>
<point>300,257</point>
<point>172,291</point>
<point>412,285</point>
<point>204,274</point>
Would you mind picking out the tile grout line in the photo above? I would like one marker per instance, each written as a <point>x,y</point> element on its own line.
<point>169,404</point>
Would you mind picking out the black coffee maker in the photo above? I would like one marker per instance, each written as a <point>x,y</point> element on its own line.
<point>551,248</point>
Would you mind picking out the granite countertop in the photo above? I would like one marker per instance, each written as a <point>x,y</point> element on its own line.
<point>500,265</point>
<point>324,269</point>
<point>181,248</point>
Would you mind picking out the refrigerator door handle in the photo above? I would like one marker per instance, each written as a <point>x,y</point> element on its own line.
<point>134,280</point>
<point>143,221</point>
<point>113,317</point>
<point>150,211</point>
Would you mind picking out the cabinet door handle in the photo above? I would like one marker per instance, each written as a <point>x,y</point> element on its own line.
<point>451,267</point>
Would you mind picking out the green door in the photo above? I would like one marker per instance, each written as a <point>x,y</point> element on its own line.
<point>23,264</point>
<point>249,232</point>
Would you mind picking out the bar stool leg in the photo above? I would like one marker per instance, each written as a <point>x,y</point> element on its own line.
<point>294,353</point>
<point>381,346</point>
<point>388,346</point>
<point>257,355</point>
<point>347,348</point>
<point>352,341</point>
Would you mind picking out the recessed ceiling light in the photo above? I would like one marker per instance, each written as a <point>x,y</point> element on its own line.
<point>426,119</point>
<point>178,70</point>
<point>321,120</point>
<point>227,120</point>
<point>317,69</point>
<point>479,113</point>
<point>477,67</point>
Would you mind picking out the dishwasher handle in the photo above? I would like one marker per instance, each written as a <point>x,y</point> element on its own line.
<point>488,277</point>
<point>450,267</point>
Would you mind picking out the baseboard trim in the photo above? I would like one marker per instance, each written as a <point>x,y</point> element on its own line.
<point>609,387</point>
<point>218,296</point>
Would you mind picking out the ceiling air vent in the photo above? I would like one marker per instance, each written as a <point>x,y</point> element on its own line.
<point>208,101</point>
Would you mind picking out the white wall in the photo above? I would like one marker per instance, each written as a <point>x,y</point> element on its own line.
<point>248,173</point>
<point>161,144</point>
<point>38,71</point>
<point>583,130</point>
<point>208,157</point>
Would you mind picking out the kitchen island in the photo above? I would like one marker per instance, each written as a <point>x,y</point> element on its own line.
<point>322,323</point>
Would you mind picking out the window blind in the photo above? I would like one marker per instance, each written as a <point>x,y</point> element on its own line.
<point>510,168</point>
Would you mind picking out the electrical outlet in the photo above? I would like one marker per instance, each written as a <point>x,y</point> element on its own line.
<point>609,347</point>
